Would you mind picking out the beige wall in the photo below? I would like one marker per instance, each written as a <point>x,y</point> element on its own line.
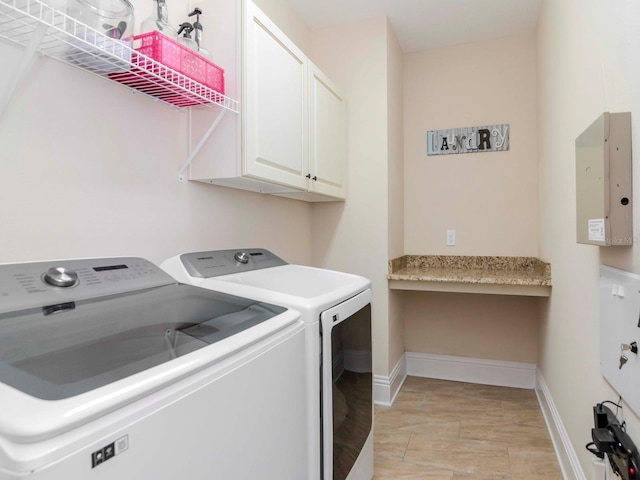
<point>495,327</point>
<point>282,15</point>
<point>395,172</point>
<point>588,62</point>
<point>490,199</point>
<point>353,236</point>
<point>88,169</point>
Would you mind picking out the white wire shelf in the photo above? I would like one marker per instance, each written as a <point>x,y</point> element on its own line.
<point>32,24</point>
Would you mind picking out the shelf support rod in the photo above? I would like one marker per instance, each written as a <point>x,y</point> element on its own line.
<point>30,51</point>
<point>200,144</point>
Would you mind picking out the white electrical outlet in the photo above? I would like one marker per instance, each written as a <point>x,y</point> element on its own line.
<point>451,238</point>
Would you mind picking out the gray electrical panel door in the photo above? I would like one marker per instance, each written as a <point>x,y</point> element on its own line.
<point>603,182</point>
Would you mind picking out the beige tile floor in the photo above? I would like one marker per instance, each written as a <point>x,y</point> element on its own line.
<point>441,430</point>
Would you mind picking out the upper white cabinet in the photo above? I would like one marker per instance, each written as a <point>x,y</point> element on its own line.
<point>327,136</point>
<point>289,139</point>
<point>277,125</point>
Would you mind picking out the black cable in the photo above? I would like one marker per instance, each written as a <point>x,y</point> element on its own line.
<point>594,450</point>
<point>617,405</point>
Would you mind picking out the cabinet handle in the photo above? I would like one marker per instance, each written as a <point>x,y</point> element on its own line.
<point>308,175</point>
<point>315,178</point>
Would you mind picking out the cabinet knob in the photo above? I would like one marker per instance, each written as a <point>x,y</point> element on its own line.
<point>308,175</point>
<point>315,178</point>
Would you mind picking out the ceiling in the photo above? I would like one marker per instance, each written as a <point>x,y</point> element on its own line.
<point>424,24</point>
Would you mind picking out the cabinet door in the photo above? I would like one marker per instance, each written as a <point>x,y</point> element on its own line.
<point>275,104</point>
<point>327,141</point>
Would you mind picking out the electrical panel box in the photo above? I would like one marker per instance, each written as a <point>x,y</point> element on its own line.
<point>603,182</point>
<point>619,316</point>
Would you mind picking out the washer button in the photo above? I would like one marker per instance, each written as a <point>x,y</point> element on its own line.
<point>242,257</point>
<point>61,277</point>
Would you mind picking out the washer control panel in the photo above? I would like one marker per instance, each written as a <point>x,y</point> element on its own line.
<point>37,284</point>
<point>225,262</point>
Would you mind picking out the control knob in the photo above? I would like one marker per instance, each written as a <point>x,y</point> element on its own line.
<point>242,257</point>
<point>61,277</point>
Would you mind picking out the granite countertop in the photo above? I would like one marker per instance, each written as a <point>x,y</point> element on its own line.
<point>524,271</point>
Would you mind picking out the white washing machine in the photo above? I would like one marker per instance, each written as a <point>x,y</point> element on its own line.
<point>110,369</point>
<point>336,311</point>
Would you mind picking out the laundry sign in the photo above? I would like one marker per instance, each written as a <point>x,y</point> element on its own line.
<point>487,138</point>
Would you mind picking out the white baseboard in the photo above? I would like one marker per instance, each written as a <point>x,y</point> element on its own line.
<point>385,389</point>
<point>567,458</point>
<point>471,370</point>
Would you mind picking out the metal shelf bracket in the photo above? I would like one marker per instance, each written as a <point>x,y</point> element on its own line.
<point>30,50</point>
<point>200,144</point>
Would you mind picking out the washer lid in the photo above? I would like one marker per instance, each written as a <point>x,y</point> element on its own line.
<point>300,281</point>
<point>60,351</point>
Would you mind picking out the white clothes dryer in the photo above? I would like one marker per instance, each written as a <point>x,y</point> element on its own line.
<point>110,369</point>
<point>336,310</point>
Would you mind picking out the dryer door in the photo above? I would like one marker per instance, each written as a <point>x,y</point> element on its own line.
<point>347,384</point>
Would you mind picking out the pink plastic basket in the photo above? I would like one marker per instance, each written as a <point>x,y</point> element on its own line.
<point>166,85</point>
<point>180,58</point>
